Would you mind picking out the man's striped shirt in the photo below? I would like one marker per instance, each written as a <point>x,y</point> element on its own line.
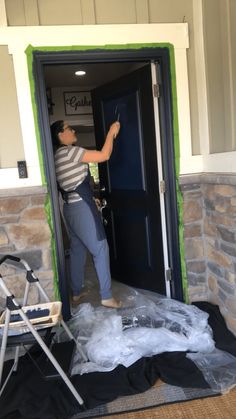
<point>70,172</point>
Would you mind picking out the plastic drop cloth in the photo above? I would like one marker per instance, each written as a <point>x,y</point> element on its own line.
<point>218,368</point>
<point>148,324</point>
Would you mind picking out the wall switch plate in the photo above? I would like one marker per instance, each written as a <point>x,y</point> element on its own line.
<point>22,169</point>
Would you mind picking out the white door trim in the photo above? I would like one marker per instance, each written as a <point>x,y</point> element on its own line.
<point>161,179</point>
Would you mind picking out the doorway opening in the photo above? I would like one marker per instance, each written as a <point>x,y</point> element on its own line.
<point>112,65</point>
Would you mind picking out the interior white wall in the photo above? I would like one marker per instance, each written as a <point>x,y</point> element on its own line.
<point>85,139</point>
<point>59,108</point>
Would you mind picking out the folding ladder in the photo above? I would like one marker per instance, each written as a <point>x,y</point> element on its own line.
<point>27,319</point>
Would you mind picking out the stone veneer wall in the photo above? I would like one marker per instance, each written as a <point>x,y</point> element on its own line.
<point>210,240</point>
<point>24,232</point>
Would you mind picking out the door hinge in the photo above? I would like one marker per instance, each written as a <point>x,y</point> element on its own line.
<point>162,186</point>
<point>156,90</point>
<point>169,274</point>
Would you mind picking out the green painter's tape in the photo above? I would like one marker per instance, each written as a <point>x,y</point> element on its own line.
<point>29,53</point>
<point>48,210</point>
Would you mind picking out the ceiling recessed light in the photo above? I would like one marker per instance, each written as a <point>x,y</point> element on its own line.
<point>80,73</point>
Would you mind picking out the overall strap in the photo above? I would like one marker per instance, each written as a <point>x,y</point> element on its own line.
<point>64,194</point>
<point>85,192</point>
<point>84,189</point>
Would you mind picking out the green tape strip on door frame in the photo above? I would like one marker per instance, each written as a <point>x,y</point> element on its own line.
<point>29,53</point>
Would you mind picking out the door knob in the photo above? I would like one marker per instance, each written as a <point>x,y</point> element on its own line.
<point>103,203</point>
<point>102,189</point>
<point>105,222</point>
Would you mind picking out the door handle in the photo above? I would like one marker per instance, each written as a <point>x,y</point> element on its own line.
<point>103,189</point>
<point>103,203</point>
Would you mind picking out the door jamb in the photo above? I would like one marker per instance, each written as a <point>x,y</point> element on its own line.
<point>160,54</point>
<point>154,74</point>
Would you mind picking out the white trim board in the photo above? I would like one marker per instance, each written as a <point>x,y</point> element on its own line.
<point>18,39</point>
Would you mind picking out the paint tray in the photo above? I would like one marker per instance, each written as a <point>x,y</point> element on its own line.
<point>43,315</point>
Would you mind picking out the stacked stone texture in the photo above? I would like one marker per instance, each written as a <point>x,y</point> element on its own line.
<point>210,244</point>
<point>24,232</point>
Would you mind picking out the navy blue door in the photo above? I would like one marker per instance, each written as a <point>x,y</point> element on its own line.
<point>129,181</point>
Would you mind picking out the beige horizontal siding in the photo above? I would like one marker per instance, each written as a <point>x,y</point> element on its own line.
<point>11,143</point>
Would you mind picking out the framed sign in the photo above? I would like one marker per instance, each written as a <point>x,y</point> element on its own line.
<point>77,103</point>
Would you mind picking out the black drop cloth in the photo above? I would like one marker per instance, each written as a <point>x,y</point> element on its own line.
<point>29,396</point>
<point>224,339</point>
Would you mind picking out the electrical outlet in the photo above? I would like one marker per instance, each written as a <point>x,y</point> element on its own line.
<point>22,169</point>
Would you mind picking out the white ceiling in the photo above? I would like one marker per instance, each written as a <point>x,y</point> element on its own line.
<point>96,74</point>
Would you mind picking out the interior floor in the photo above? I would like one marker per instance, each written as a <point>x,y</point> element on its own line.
<point>92,296</point>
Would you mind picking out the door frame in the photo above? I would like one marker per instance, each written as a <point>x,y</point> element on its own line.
<point>145,54</point>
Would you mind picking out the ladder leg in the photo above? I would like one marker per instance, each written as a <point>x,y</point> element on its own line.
<point>67,330</point>
<point>3,351</point>
<point>51,358</point>
<point>42,292</point>
<point>16,358</point>
<point>4,342</point>
<point>6,380</point>
<point>64,325</point>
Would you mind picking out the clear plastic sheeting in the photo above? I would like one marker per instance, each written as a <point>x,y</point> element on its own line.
<point>218,368</point>
<point>148,324</point>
